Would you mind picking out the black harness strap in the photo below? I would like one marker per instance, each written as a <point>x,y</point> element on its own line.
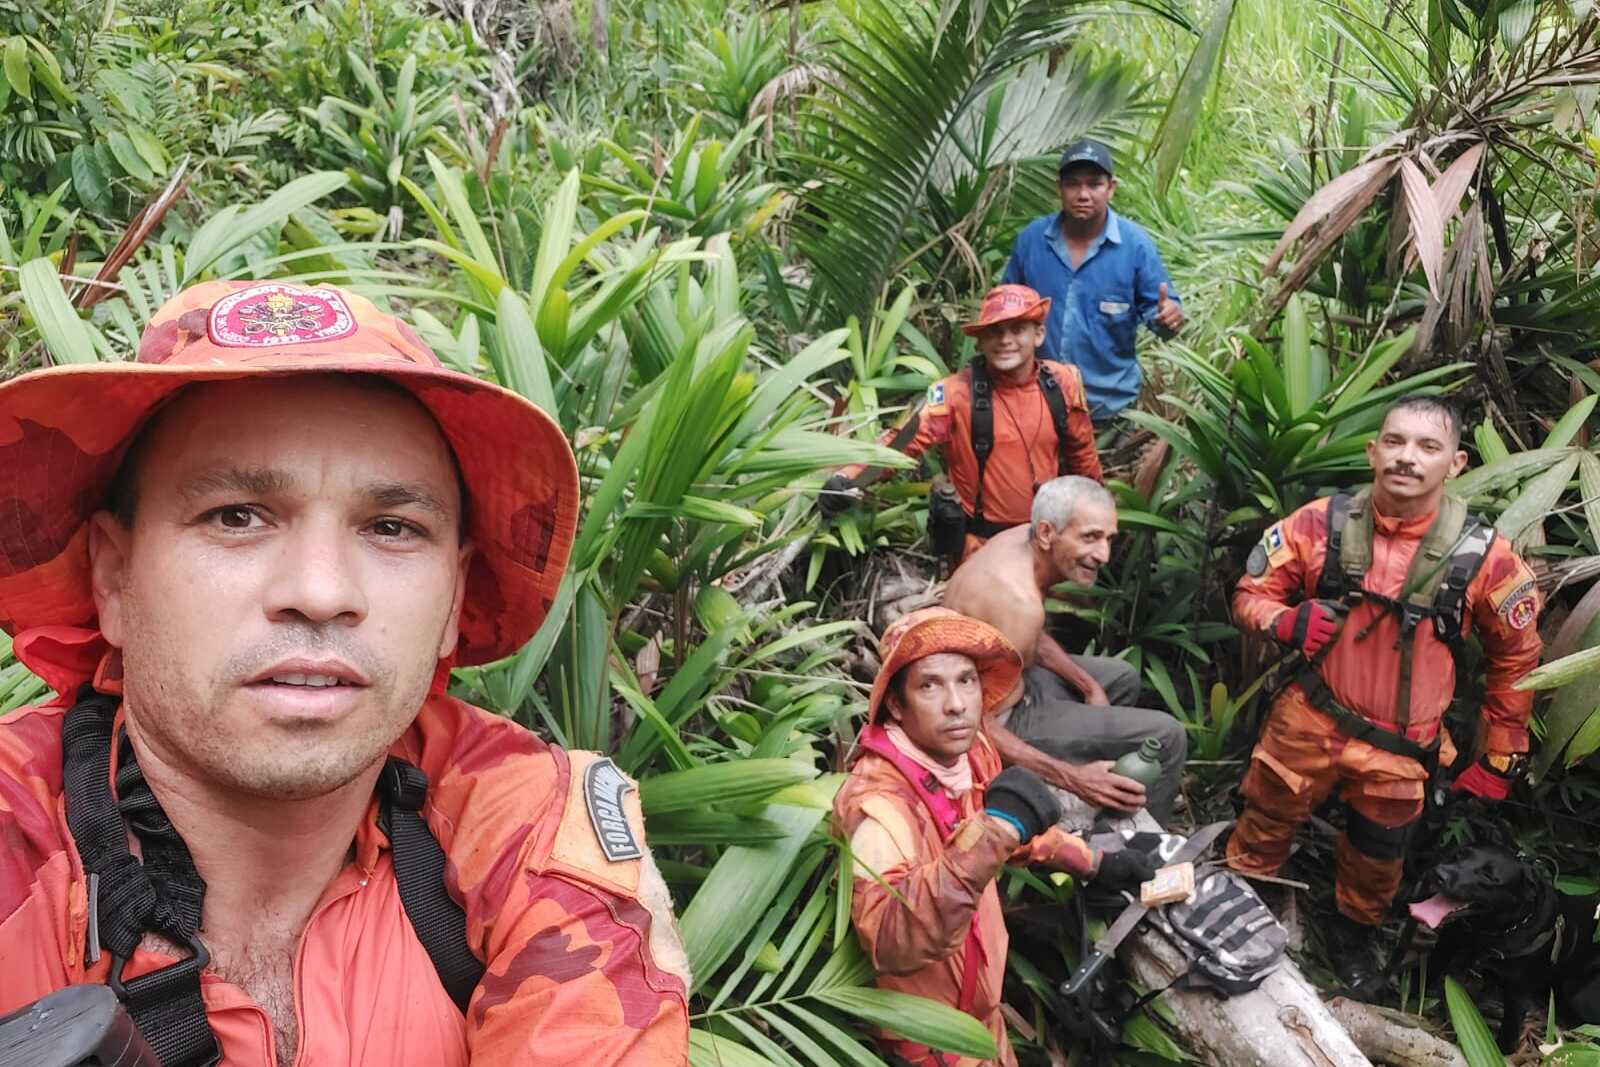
<point>439,922</point>
<point>1058,415</point>
<point>164,894</point>
<point>982,434</point>
<point>128,899</point>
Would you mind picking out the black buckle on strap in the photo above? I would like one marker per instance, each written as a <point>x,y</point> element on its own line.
<point>199,959</point>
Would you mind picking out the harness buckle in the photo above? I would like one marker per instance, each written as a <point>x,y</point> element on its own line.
<point>199,959</point>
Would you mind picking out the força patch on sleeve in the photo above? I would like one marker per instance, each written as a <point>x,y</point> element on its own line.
<point>1256,565</point>
<point>600,838</point>
<point>603,790</point>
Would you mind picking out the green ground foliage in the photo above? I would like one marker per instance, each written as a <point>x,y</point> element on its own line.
<point>724,241</point>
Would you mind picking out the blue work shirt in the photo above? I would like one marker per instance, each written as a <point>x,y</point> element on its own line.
<point>1095,309</point>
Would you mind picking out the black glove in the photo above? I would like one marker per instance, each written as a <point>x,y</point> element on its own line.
<point>1021,797</point>
<point>1124,870</point>
<point>835,497</point>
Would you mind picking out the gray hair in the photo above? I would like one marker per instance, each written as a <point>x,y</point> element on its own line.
<point>1057,500</point>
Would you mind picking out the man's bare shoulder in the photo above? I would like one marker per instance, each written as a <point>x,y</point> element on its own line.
<point>1001,572</point>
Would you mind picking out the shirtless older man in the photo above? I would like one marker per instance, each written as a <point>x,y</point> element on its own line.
<point>1070,716</point>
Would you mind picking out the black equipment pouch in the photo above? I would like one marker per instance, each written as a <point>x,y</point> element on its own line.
<point>947,521</point>
<point>79,1026</point>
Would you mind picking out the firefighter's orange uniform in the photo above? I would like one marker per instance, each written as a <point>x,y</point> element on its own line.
<point>924,902</point>
<point>1026,448</point>
<point>1302,754</point>
<point>1026,452</point>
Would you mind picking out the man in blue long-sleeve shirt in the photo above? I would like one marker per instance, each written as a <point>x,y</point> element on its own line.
<point>1103,276</point>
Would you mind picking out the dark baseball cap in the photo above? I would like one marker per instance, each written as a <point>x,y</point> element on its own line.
<point>1087,150</point>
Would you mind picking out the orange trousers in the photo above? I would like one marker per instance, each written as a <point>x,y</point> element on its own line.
<point>1301,757</point>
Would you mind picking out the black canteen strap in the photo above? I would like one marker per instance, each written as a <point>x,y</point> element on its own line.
<point>439,922</point>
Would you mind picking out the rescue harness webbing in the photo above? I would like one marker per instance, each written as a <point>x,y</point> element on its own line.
<point>164,894</point>
<point>982,418</point>
<point>1452,550</point>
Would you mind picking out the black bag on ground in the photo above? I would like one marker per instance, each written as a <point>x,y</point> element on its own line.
<point>1230,938</point>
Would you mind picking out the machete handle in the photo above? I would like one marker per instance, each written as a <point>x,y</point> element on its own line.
<point>1078,983</point>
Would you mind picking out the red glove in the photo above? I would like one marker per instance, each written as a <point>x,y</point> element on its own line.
<point>1482,781</point>
<point>1310,626</point>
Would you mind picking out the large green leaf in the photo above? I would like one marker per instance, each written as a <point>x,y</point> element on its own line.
<point>1187,104</point>
<point>917,1018</point>
<point>721,783</point>
<point>904,90</point>
<point>65,334</point>
<point>738,890</point>
<point>1472,1033</point>
<point>708,1050</point>
<point>231,227</point>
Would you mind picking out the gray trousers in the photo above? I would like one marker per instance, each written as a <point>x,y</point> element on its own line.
<point>1053,719</point>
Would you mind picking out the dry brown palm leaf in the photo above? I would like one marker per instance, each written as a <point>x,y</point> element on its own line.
<point>1455,181</point>
<point>1358,184</point>
<point>138,231</point>
<point>796,81</point>
<point>1427,231</point>
<point>1347,208</point>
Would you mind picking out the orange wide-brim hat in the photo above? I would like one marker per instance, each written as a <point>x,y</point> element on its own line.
<point>64,430</point>
<point>929,631</point>
<point>1008,303</point>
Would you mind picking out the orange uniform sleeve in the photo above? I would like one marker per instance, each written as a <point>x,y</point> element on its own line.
<point>1505,605</point>
<point>1275,574</point>
<point>1081,450</point>
<point>564,905</point>
<point>932,428</point>
<point>1058,849</point>
<point>921,909</point>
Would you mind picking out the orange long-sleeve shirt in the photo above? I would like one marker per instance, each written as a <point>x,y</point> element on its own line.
<point>1025,455</point>
<point>914,923</point>
<point>582,962</point>
<point>1501,608</point>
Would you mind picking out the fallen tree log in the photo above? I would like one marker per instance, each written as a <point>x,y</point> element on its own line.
<point>1281,1023</point>
<point>1389,1036</point>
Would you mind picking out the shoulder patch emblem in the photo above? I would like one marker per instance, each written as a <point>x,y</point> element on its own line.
<point>1269,552</point>
<point>936,394</point>
<point>603,789</point>
<point>1521,613</point>
<point>1517,604</point>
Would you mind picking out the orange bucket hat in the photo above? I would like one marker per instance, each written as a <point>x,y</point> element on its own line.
<point>1008,303</point>
<point>929,631</point>
<point>64,430</point>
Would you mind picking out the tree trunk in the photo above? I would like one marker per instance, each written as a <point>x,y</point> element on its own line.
<point>1389,1037</point>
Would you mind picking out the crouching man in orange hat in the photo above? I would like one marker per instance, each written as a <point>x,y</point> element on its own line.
<point>1004,426</point>
<point>246,563</point>
<point>931,820</point>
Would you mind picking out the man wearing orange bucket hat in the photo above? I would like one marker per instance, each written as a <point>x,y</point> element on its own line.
<point>932,819</point>
<point>1004,426</point>
<point>246,563</point>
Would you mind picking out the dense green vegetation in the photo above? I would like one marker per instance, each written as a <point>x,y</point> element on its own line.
<point>725,241</point>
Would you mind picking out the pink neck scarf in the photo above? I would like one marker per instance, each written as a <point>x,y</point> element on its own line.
<point>957,780</point>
